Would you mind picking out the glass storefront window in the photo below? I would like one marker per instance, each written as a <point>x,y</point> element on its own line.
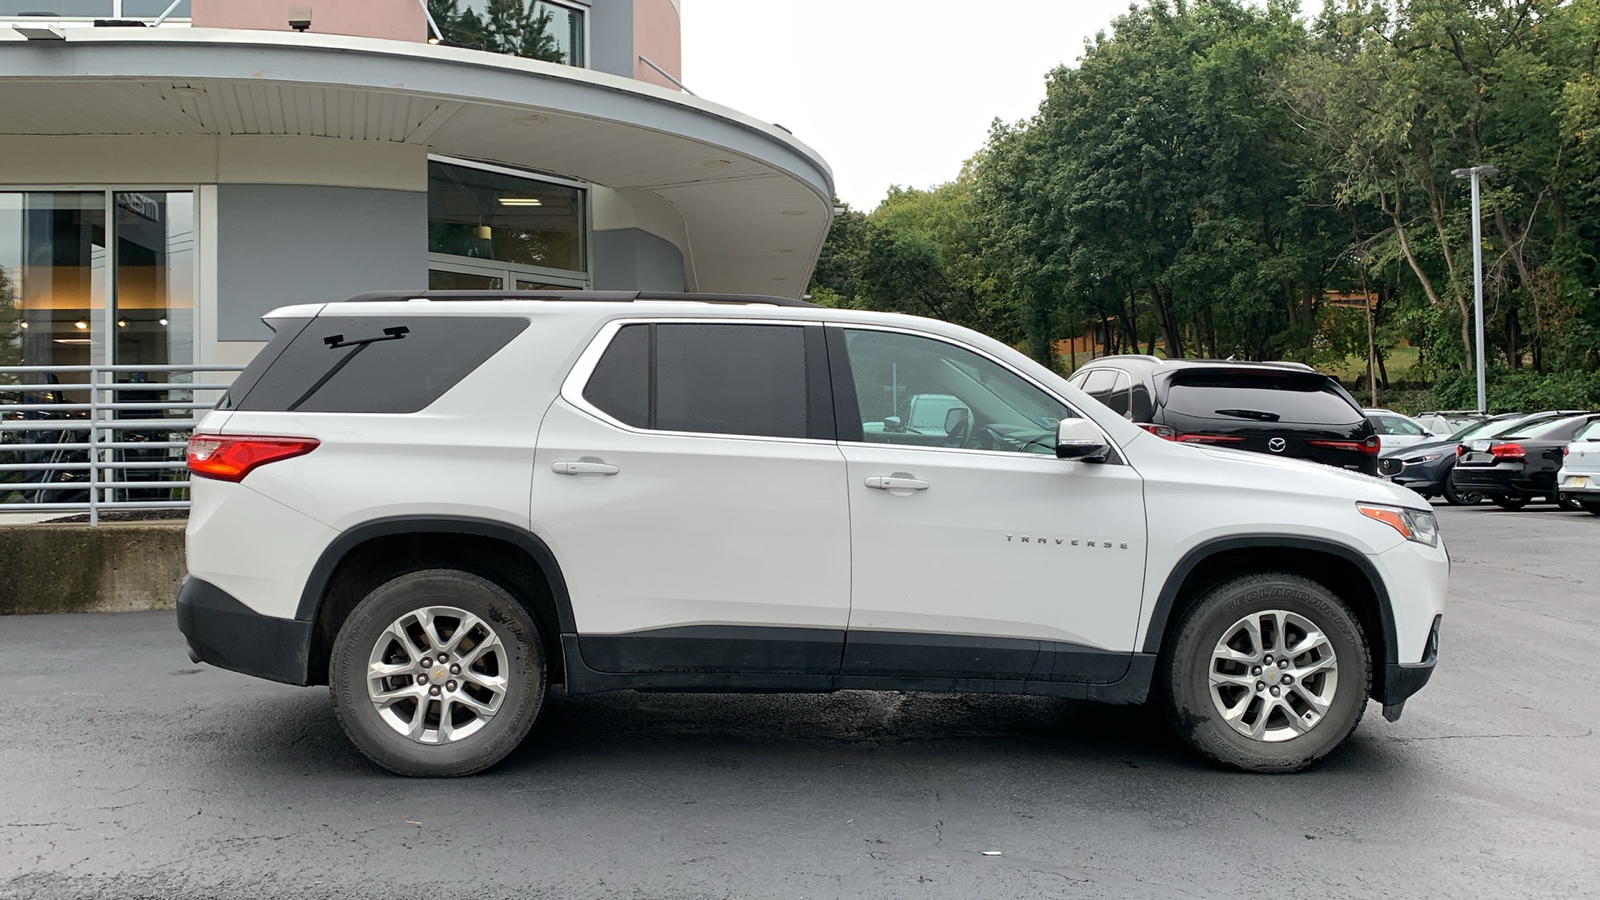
<point>492,220</point>
<point>154,292</point>
<point>52,278</point>
<point>58,307</point>
<point>442,280</point>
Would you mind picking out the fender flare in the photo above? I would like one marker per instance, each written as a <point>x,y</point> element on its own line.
<point>316,586</point>
<point>1162,612</point>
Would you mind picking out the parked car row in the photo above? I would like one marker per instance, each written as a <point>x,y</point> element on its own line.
<point>1288,409</point>
<point>1511,460</point>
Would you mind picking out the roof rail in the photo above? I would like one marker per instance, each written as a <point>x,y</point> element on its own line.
<point>576,297</point>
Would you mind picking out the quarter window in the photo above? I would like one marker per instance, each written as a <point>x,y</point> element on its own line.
<point>928,393</point>
<point>711,379</point>
<point>370,364</point>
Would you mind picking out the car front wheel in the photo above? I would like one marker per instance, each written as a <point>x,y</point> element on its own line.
<point>1267,673</point>
<point>437,673</point>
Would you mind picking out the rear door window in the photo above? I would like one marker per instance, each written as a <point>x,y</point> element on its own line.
<point>1248,397</point>
<point>746,379</point>
<point>375,364</point>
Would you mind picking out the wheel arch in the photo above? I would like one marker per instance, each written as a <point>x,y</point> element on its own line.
<point>1340,568</point>
<point>363,557</point>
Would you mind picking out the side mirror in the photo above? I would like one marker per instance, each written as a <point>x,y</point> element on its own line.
<point>954,418</point>
<point>892,423</point>
<point>1079,439</point>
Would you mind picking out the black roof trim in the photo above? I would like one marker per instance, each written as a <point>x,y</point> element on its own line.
<point>577,297</point>
<point>1157,362</point>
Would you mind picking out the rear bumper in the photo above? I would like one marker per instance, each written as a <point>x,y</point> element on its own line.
<point>229,635</point>
<point>1493,483</point>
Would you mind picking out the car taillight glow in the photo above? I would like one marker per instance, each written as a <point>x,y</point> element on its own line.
<point>1508,451</point>
<point>1209,439</point>
<point>1370,446</point>
<point>230,458</point>
<point>1165,432</point>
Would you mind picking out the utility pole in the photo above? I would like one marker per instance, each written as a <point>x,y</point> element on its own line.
<point>1477,270</point>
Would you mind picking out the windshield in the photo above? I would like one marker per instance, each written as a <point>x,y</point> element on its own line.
<point>1478,428</point>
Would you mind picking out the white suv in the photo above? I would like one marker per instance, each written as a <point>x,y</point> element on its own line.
<point>441,503</point>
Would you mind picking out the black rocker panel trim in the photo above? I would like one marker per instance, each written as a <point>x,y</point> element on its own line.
<point>733,649</point>
<point>1169,591</point>
<point>317,584</point>
<point>1132,688</point>
<point>959,656</point>
<point>778,650</point>
<point>229,635</point>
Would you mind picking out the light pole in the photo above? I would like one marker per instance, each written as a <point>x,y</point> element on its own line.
<point>1477,272</point>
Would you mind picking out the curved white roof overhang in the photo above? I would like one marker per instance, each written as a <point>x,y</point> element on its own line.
<point>755,203</point>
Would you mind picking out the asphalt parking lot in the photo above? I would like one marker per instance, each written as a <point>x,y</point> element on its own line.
<point>126,772</point>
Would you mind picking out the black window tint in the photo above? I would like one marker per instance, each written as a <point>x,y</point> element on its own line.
<point>620,384</point>
<point>283,332</point>
<point>731,379</point>
<point>377,364</point>
<point>1248,397</point>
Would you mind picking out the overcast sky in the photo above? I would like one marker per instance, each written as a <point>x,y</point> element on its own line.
<point>888,91</point>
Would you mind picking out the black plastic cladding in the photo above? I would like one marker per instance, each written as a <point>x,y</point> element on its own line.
<point>578,297</point>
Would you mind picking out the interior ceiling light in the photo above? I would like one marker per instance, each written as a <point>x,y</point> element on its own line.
<point>80,324</point>
<point>531,120</point>
<point>189,92</point>
<point>482,232</point>
<point>23,324</point>
<point>521,201</point>
<point>122,323</point>
<point>72,341</point>
<point>163,322</point>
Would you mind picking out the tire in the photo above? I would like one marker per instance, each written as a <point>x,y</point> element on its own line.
<point>1510,502</point>
<point>1197,712</point>
<point>491,704</point>
<point>1457,498</point>
<point>1568,503</point>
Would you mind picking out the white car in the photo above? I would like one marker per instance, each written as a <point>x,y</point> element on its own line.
<point>1396,430</point>
<point>1579,478</point>
<point>441,503</point>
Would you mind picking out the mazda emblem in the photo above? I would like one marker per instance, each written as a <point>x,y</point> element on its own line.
<point>1277,445</point>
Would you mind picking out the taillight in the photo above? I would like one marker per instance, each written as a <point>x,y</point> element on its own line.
<point>1209,439</point>
<point>229,458</point>
<point>1461,450</point>
<point>1165,432</point>
<point>1508,451</point>
<point>1370,446</point>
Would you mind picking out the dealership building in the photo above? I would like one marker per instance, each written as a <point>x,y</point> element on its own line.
<point>170,172</point>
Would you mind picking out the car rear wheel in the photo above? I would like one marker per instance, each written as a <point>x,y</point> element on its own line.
<point>1460,498</point>
<point>1266,673</point>
<point>1591,506</point>
<point>1512,503</point>
<point>437,673</point>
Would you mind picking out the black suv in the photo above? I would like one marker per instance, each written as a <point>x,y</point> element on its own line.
<point>1281,408</point>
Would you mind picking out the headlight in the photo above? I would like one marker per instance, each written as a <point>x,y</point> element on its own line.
<point>1419,460</point>
<point>1413,524</point>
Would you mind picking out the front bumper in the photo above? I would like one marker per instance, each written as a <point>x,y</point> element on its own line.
<point>229,635</point>
<point>1401,680</point>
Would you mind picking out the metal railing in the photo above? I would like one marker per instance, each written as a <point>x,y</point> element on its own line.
<point>94,438</point>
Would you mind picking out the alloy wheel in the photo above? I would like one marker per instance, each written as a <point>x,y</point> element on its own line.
<point>1273,675</point>
<point>437,675</point>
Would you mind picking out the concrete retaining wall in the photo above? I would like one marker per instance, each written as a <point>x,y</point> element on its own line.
<point>114,567</point>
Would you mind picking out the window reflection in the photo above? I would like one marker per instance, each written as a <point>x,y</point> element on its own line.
<point>52,261</point>
<point>493,216</point>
